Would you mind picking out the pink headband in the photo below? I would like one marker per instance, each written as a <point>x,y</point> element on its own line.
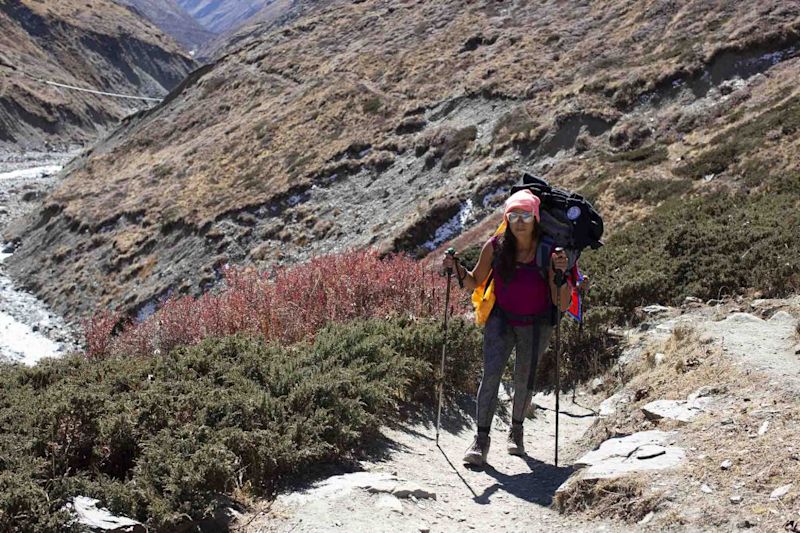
<point>525,200</point>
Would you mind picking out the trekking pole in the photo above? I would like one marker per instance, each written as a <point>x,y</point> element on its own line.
<point>451,252</point>
<point>559,277</point>
<point>584,292</point>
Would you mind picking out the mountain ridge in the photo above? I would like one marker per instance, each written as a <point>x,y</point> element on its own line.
<point>173,20</point>
<point>218,16</point>
<point>421,119</point>
<point>119,53</point>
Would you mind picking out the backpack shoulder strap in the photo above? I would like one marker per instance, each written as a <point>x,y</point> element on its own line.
<point>543,251</point>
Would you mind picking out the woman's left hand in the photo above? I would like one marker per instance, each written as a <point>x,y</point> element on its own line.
<point>559,260</point>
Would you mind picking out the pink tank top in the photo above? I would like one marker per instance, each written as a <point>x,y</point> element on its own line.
<point>527,293</point>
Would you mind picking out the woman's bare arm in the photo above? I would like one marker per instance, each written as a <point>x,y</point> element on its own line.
<point>481,270</point>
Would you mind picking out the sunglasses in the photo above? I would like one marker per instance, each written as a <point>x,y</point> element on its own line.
<point>525,217</point>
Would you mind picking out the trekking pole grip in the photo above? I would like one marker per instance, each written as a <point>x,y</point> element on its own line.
<point>451,252</point>
<point>559,274</point>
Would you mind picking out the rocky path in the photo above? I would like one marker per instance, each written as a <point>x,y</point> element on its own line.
<point>418,486</point>
<point>29,331</point>
<point>759,334</point>
<point>411,484</point>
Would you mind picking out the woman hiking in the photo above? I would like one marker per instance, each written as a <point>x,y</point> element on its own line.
<point>525,290</point>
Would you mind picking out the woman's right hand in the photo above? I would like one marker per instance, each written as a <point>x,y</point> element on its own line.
<point>449,261</point>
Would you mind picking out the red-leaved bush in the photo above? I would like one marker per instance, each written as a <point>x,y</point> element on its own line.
<point>287,305</point>
<point>97,333</point>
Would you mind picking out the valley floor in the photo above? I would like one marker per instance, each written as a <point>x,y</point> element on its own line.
<point>29,331</point>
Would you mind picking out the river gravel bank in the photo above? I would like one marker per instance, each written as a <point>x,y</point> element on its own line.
<point>29,331</point>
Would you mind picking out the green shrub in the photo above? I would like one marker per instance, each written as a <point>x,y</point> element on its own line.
<point>25,506</point>
<point>651,154</point>
<point>651,191</point>
<point>470,255</point>
<point>585,353</point>
<point>705,246</point>
<point>166,439</point>
<point>729,147</point>
<point>372,105</point>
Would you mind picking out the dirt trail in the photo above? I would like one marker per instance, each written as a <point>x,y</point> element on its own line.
<point>514,493</point>
<point>510,494</point>
<point>760,335</point>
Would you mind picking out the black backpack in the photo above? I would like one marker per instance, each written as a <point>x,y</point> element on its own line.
<point>566,218</point>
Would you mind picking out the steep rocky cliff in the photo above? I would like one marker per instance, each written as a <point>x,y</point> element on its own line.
<point>95,44</point>
<point>401,125</point>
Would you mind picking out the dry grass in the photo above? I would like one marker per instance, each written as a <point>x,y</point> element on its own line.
<point>311,93</point>
<point>729,430</point>
<point>628,499</point>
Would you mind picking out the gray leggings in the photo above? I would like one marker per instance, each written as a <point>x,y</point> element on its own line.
<point>499,338</point>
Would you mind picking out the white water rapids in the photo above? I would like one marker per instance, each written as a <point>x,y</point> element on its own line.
<point>29,331</point>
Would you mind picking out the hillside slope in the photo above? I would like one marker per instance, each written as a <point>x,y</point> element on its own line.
<point>274,13</point>
<point>94,44</point>
<point>409,131</point>
<point>170,18</point>
<point>221,16</point>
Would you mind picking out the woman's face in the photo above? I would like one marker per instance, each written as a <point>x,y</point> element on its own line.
<point>521,223</point>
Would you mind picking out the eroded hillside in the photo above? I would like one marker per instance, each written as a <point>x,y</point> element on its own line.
<point>409,130</point>
<point>220,17</point>
<point>95,44</point>
<point>173,20</point>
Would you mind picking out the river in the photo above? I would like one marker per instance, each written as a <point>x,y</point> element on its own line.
<point>29,330</point>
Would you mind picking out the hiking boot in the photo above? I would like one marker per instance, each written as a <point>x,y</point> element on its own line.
<point>516,444</point>
<point>476,454</point>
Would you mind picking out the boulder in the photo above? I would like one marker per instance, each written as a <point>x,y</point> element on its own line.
<point>679,410</point>
<point>780,492</point>
<point>643,451</point>
<point>782,317</point>
<point>609,406</point>
<point>415,491</point>
<point>682,410</point>
<point>97,519</point>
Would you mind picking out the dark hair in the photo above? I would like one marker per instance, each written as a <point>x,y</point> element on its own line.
<point>505,258</point>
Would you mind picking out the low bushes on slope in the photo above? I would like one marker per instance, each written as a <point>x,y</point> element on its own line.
<point>287,305</point>
<point>706,246</point>
<point>720,243</point>
<point>733,147</point>
<point>164,439</point>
